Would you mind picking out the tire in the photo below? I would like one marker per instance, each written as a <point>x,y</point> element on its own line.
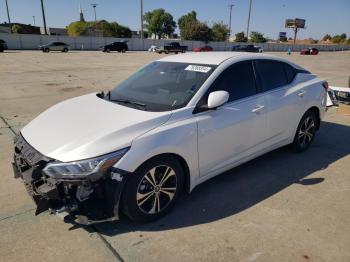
<point>108,50</point>
<point>46,50</point>
<point>139,197</point>
<point>166,52</point>
<point>308,124</point>
<point>123,50</point>
<point>65,50</point>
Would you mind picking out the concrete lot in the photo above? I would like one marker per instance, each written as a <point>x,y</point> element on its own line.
<point>279,207</point>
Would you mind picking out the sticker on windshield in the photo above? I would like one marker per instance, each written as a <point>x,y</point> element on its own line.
<point>196,68</point>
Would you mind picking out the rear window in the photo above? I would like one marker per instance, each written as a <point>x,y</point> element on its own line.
<point>271,74</point>
<point>290,72</point>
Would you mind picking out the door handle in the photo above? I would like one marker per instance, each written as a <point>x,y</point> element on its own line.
<point>257,109</point>
<point>302,93</point>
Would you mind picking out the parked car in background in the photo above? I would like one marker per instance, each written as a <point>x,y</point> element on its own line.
<point>153,48</point>
<point>169,127</point>
<point>120,47</point>
<point>3,45</point>
<point>206,48</point>
<point>54,46</point>
<point>247,48</point>
<point>309,51</point>
<point>173,47</point>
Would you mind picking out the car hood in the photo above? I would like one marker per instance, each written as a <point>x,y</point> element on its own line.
<point>88,126</point>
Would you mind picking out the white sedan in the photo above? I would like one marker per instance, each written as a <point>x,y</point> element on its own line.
<point>172,125</point>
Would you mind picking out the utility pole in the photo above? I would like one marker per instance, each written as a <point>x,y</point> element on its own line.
<point>94,6</point>
<point>141,2</point>
<point>34,19</point>
<point>8,16</point>
<point>44,19</point>
<point>250,10</point>
<point>231,5</point>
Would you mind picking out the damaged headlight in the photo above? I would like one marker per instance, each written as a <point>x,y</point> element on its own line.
<point>83,168</point>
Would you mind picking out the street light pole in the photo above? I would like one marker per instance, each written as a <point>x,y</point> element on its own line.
<point>44,19</point>
<point>250,10</point>
<point>141,2</point>
<point>231,5</point>
<point>34,19</point>
<point>94,6</point>
<point>8,16</point>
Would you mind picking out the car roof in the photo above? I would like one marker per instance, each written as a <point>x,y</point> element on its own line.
<point>216,58</point>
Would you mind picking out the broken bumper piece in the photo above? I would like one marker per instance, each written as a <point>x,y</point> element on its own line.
<point>84,201</point>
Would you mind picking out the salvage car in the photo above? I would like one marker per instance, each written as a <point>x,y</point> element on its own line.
<point>3,45</point>
<point>206,48</point>
<point>172,125</point>
<point>54,46</point>
<point>309,51</point>
<point>339,95</point>
<point>115,46</point>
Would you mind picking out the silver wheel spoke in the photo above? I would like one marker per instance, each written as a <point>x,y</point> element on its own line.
<point>169,173</point>
<point>145,197</point>
<point>151,179</point>
<point>154,206</point>
<point>170,194</point>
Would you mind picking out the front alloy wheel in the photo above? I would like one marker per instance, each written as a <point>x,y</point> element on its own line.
<point>151,191</point>
<point>156,189</point>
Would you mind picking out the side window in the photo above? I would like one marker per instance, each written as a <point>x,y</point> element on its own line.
<point>238,80</point>
<point>271,73</point>
<point>290,72</point>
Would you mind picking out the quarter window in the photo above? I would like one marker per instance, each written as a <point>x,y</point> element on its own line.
<point>272,74</point>
<point>238,80</point>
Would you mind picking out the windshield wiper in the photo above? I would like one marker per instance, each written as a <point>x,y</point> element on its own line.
<point>124,101</point>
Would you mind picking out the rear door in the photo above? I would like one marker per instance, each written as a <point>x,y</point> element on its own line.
<point>284,99</point>
<point>235,130</point>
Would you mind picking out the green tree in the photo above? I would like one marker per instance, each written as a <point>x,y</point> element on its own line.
<point>337,39</point>
<point>77,28</point>
<point>17,29</point>
<point>189,18</point>
<point>326,37</point>
<point>197,31</point>
<point>159,22</point>
<point>257,37</point>
<point>348,43</point>
<point>240,37</point>
<point>220,31</point>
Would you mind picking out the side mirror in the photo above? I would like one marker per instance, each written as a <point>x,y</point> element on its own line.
<point>217,98</point>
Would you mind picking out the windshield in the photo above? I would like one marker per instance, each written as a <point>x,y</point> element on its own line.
<point>161,86</point>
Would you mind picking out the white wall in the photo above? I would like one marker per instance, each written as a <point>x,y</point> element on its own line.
<point>30,42</point>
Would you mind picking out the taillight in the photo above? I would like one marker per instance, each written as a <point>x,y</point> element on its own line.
<point>325,85</point>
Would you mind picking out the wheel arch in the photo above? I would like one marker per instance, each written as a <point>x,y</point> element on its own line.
<point>316,110</point>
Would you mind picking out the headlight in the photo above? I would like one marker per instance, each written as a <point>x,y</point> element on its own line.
<point>83,168</point>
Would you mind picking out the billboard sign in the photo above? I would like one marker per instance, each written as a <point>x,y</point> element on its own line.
<point>295,23</point>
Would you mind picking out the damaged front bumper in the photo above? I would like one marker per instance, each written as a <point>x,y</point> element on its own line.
<point>86,201</point>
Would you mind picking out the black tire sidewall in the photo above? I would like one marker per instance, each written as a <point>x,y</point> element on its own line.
<point>128,199</point>
<point>296,145</point>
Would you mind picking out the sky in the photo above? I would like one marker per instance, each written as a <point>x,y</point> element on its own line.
<point>267,17</point>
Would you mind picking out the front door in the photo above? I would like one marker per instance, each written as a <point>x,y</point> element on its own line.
<point>236,130</point>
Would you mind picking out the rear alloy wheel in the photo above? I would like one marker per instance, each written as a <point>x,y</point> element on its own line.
<point>152,190</point>
<point>123,50</point>
<point>65,50</point>
<point>306,132</point>
<point>46,50</point>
